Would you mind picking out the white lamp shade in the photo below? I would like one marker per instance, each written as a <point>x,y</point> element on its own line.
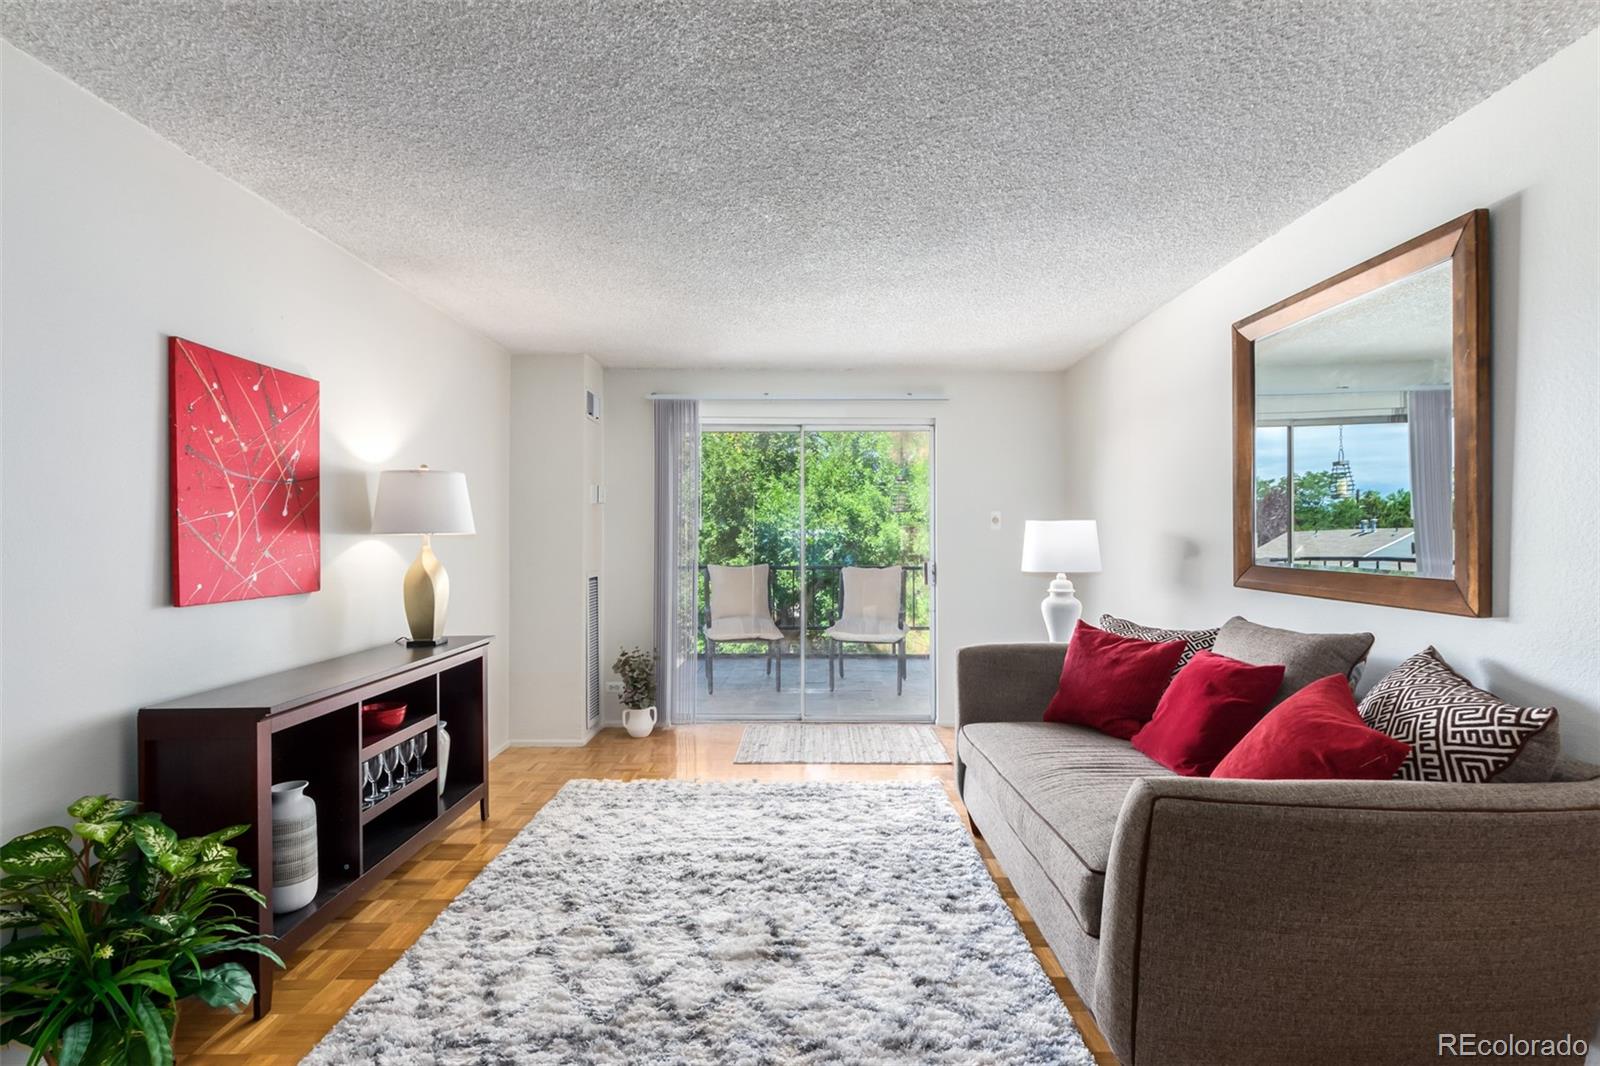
<point>1066,547</point>
<point>422,501</point>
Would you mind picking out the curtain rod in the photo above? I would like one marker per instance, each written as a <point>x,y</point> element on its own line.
<point>884,397</point>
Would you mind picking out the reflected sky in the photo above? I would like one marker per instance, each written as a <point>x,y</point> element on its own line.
<point>1379,453</point>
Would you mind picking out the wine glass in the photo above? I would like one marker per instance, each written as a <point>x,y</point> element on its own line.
<point>382,761</point>
<point>397,766</point>
<point>369,784</point>
<point>419,745</point>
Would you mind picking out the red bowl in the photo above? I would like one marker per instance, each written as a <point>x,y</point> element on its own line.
<point>382,714</point>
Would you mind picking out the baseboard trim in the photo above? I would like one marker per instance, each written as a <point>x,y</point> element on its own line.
<point>576,742</point>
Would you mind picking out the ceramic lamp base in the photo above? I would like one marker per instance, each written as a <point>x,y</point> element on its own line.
<point>427,597</point>
<point>1061,610</point>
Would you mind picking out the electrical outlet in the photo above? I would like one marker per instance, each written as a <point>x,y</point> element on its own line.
<point>614,686</point>
<point>994,521</point>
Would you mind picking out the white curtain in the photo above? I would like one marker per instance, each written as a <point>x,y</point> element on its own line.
<point>677,557</point>
<point>1432,495</point>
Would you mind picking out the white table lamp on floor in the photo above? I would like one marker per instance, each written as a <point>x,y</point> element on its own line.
<point>1061,548</point>
<point>429,502</point>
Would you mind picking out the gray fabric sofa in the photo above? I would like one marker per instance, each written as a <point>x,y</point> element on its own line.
<point>1281,922</point>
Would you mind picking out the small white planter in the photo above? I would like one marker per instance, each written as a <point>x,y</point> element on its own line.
<point>639,721</point>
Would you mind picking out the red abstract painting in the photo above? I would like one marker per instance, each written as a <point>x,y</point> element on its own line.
<point>246,460</point>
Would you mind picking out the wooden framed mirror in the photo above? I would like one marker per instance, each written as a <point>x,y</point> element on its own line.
<point>1361,431</point>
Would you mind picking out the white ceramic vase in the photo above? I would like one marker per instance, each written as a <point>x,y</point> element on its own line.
<point>442,750</point>
<point>639,721</point>
<point>294,847</point>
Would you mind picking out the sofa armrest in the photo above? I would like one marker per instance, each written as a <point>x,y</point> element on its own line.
<point>1342,922</point>
<point>1004,683</point>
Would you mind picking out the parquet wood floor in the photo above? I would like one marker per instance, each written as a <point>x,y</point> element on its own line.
<point>335,967</point>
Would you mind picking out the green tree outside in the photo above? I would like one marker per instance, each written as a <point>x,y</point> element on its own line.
<point>867,497</point>
<point>1316,507</point>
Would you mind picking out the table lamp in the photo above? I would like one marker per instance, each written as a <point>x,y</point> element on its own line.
<point>432,503</point>
<point>1061,548</point>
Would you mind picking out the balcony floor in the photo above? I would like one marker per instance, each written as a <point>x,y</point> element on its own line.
<point>745,693</point>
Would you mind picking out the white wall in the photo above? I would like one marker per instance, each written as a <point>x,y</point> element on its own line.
<point>556,454</point>
<point>114,239</point>
<point>1153,406</point>
<point>999,446</point>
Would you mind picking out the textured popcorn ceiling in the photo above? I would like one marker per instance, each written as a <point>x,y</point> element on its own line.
<point>1412,318</point>
<point>788,183</point>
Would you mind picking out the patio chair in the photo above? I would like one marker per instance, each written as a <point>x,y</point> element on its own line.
<point>873,612</point>
<point>740,612</point>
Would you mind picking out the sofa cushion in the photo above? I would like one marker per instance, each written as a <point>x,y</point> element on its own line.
<point>1457,731</point>
<point>1193,639</point>
<point>1315,735</point>
<point>1208,708</point>
<point>1060,788</point>
<point>1538,761</point>
<point>1111,683</point>
<point>1567,768</point>
<point>1306,657</point>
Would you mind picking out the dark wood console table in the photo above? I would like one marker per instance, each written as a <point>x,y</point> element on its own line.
<point>210,760</point>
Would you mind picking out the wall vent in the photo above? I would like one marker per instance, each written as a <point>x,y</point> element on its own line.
<point>591,654</point>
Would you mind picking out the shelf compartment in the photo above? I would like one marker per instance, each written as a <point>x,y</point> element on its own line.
<point>388,836</point>
<point>394,799</point>
<point>284,926</point>
<point>421,697</point>
<point>462,708</point>
<point>378,743</point>
<point>318,750</point>
<point>455,797</point>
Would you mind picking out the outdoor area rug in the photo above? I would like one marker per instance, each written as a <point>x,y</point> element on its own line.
<point>711,922</point>
<point>807,742</point>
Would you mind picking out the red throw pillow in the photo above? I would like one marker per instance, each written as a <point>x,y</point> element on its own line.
<point>1112,683</point>
<point>1314,735</point>
<point>1208,708</point>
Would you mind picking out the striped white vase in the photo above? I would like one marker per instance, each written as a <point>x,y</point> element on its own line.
<point>294,847</point>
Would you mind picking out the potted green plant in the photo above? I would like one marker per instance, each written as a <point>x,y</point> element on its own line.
<point>637,668</point>
<point>114,923</point>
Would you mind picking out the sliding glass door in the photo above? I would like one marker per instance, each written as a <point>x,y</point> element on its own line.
<point>817,572</point>
<point>868,539</point>
<point>750,565</point>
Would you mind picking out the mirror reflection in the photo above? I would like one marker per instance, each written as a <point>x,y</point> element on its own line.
<point>1354,435</point>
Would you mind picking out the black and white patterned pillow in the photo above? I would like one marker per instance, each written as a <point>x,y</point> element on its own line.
<point>1457,731</point>
<point>1193,639</point>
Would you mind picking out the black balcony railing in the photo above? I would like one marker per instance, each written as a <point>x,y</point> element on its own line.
<point>1392,564</point>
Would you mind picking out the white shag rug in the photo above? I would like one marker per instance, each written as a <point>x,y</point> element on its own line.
<point>806,742</point>
<point>661,922</point>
